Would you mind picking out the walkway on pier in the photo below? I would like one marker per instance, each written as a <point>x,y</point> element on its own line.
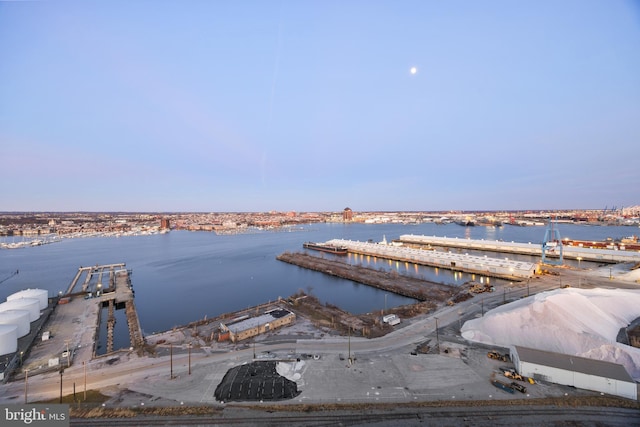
<point>570,252</point>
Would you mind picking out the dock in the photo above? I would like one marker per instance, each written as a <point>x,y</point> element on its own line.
<point>493,267</point>
<point>72,330</point>
<point>569,252</point>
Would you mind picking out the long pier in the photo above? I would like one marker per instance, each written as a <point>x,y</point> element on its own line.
<point>494,267</point>
<point>569,252</point>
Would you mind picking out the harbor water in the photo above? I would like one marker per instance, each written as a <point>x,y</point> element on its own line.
<point>182,276</point>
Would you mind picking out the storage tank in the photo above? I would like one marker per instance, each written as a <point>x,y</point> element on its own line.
<point>20,318</point>
<point>30,304</point>
<point>41,295</point>
<point>8,339</point>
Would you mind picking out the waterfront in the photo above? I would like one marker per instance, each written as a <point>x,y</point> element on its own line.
<point>184,276</point>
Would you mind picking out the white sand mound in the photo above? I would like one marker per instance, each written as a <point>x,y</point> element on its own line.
<point>582,322</point>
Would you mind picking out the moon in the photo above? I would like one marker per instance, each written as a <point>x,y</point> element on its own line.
<point>413,70</point>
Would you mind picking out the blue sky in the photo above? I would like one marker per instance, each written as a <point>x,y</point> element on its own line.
<point>311,106</point>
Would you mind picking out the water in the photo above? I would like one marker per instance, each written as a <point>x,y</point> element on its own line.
<point>184,276</point>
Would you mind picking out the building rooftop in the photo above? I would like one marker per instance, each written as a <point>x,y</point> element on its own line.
<point>574,363</point>
<point>254,322</point>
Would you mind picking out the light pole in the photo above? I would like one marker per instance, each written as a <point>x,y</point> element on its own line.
<point>171,359</point>
<point>26,384</point>
<point>84,363</point>
<point>385,304</point>
<point>254,354</point>
<point>68,356</point>
<point>61,371</point>
<point>437,336</point>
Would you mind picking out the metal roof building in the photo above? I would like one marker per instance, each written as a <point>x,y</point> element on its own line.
<point>575,371</point>
<point>253,326</point>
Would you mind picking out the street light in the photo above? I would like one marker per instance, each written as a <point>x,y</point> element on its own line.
<point>26,385</point>
<point>61,372</point>
<point>437,335</point>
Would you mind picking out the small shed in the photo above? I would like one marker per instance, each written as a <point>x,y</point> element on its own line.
<point>580,372</point>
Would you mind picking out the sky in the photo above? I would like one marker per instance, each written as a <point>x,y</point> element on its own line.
<point>216,106</point>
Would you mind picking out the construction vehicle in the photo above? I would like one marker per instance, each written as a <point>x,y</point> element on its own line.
<point>518,387</point>
<point>477,288</point>
<point>512,374</point>
<point>497,356</point>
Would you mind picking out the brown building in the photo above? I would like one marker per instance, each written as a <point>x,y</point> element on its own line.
<point>255,326</point>
<point>347,214</point>
<point>165,224</point>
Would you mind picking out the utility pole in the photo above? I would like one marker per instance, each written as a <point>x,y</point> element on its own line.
<point>254,355</point>
<point>26,384</point>
<point>171,359</point>
<point>68,356</point>
<point>61,371</point>
<point>84,364</point>
<point>437,335</point>
<point>349,350</point>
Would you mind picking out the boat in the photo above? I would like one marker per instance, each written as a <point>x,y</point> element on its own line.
<point>337,250</point>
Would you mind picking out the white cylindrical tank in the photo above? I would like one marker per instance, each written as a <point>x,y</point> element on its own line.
<point>30,304</point>
<point>41,295</point>
<point>8,339</point>
<point>20,318</point>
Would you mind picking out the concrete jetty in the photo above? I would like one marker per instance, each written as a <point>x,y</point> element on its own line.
<point>569,252</point>
<point>494,267</point>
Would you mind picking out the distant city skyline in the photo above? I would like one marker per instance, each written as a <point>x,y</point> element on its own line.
<point>319,105</point>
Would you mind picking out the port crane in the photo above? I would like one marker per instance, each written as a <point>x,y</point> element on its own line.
<point>552,244</point>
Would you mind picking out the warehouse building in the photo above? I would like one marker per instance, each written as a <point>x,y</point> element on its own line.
<point>254,326</point>
<point>580,372</point>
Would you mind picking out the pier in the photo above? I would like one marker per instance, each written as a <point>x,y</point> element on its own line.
<point>493,267</point>
<point>569,252</point>
<point>74,325</point>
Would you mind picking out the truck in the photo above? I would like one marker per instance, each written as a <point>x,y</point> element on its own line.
<point>391,319</point>
<point>503,386</point>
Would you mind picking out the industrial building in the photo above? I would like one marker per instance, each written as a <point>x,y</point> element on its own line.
<point>580,372</point>
<point>243,329</point>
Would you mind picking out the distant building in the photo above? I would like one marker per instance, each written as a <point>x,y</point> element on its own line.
<point>347,214</point>
<point>247,328</point>
<point>165,224</point>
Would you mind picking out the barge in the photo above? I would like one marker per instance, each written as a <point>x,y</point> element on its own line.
<point>337,250</point>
